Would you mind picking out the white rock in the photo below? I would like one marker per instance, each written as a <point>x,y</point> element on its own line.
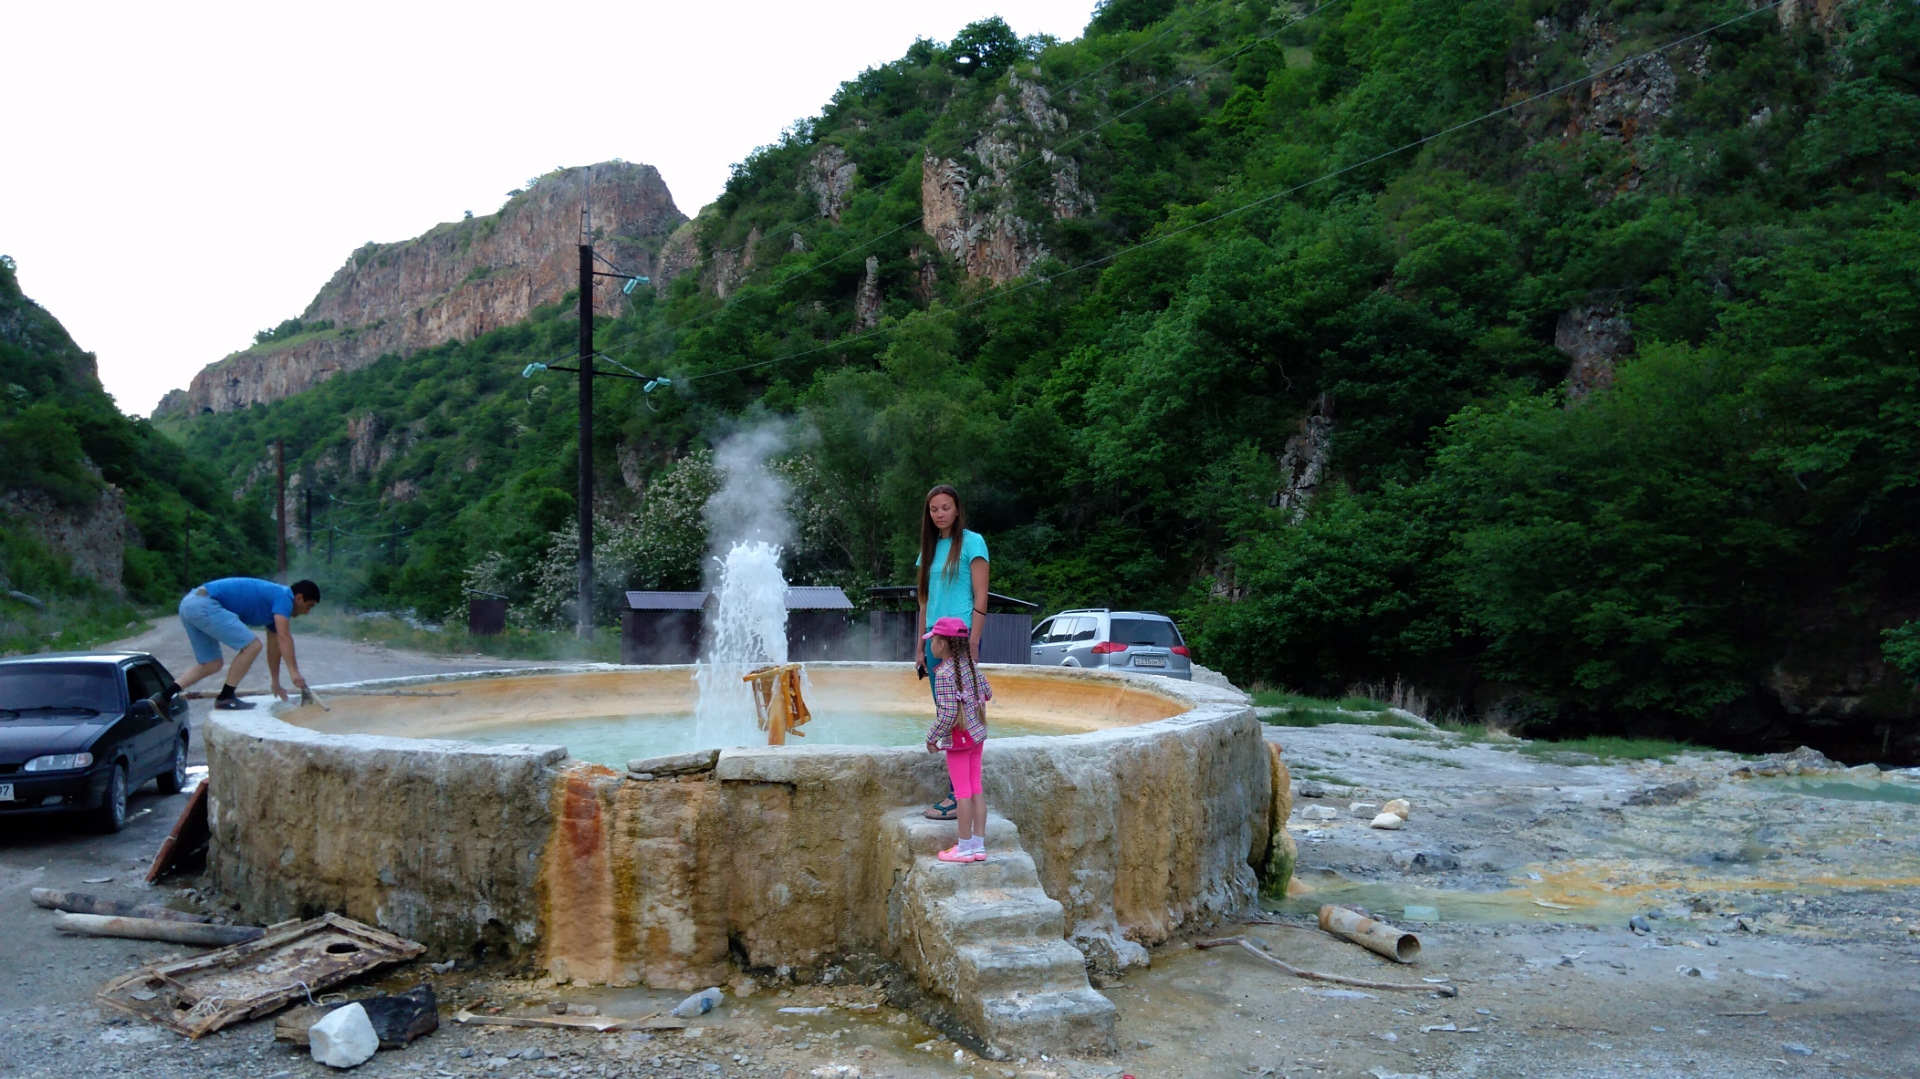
<point>344,1039</point>
<point>1389,821</point>
<point>1399,807</point>
<point>1363,809</point>
<point>1318,813</point>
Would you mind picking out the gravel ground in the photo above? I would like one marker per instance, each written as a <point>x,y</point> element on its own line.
<point>1779,920</point>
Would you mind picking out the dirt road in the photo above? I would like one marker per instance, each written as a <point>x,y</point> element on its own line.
<point>1777,916</point>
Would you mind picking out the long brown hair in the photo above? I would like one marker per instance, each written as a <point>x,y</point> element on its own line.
<point>930,536</point>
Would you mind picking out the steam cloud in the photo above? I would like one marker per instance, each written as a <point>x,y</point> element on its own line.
<point>751,505</point>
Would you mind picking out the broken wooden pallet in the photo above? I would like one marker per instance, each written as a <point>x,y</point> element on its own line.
<point>292,961</point>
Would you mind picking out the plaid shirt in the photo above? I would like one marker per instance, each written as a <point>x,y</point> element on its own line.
<point>950,703</point>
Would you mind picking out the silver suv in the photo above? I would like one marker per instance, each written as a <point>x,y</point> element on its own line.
<point>1144,642</point>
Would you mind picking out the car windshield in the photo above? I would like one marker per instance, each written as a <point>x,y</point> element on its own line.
<point>93,687</point>
<point>1151,631</point>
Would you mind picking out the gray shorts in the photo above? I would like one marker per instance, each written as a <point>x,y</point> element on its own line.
<point>210,625</point>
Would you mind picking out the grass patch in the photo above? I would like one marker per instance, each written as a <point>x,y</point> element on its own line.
<point>67,624</point>
<point>455,640</point>
<point>1299,710</point>
<point>1478,734</point>
<point>1279,698</point>
<point>1320,717</point>
<point>1606,748</point>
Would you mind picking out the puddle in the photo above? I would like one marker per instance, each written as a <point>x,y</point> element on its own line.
<point>1845,790</point>
<point>1548,901</point>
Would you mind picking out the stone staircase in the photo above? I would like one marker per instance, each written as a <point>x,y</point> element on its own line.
<point>984,937</point>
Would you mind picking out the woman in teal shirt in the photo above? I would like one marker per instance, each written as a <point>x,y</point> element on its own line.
<point>952,583</point>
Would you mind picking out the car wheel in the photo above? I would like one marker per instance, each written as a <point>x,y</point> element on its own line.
<point>175,777</point>
<point>112,814</point>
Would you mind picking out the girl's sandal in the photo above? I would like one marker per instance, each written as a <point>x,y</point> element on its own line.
<point>955,854</point>
<point>943,809</point>
<point>978,856</point>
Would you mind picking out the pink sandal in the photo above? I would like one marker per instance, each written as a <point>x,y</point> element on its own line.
<point>955,854</point>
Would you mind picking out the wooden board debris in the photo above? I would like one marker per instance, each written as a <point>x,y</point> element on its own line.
<point>292,961</point>
<point>190,834</point>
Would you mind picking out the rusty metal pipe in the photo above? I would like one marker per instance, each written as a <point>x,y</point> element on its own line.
<point>1375,936</point>
<point>82,903</point>
<point>98,925</point>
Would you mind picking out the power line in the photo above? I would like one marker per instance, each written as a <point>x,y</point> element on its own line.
<point>1034,282</point>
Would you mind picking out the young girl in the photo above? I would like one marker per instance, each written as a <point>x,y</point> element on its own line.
<point>960,694</point>
<point>951,579</point>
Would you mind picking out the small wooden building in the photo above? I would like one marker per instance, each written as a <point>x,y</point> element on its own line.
<point>669,627</point>
<point>819,622</point>
<point>894,634</point>
<point>486,614</point>
<point>662,627</point>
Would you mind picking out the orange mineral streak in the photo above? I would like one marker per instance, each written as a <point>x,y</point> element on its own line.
<point>578,875</point>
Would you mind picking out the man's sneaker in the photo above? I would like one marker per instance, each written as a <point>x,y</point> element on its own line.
<point>233,704</point>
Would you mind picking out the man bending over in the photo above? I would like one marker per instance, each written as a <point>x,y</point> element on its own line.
<point>219,612</point>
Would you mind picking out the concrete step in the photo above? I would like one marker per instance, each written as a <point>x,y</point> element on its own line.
<point>995,968</point>
<point>988,940</point>
<point>1004,870</point>
<point>930,837</point>
<point>998,913</point>
<point>1075,1023</point>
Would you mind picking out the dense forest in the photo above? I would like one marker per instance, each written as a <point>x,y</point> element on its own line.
<point>1559,358</point>
<point>74,468</point>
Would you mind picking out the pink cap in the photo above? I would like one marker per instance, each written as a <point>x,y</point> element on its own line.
<point>947,627</point>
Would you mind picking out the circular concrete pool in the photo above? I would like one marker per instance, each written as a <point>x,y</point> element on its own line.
<point>437,808</point>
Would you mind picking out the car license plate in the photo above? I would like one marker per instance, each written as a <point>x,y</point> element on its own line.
<point>6,792</point>
<point>1149,661</point>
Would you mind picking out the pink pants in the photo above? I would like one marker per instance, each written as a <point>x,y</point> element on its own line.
<point>963,767</point>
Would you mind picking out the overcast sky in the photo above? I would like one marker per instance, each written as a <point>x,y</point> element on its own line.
<point>178,176</point>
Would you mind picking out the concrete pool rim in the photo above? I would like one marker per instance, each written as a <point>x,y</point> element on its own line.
<point>1140,831</point>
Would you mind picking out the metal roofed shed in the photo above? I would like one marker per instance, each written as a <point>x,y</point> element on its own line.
<point>895,637</point>
<point>819,621</point>
<point>667,627</point>
<point>662,627</point>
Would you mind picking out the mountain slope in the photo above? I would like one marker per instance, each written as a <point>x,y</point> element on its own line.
<point>94,506</point>
<point>456,281</point>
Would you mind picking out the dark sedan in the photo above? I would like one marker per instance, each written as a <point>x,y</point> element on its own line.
<point>79,731</point>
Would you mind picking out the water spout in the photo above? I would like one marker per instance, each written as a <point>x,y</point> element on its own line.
<point>749,629</point>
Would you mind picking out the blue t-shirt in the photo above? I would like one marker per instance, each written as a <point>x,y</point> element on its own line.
<point>252,600</point>
<point>951,596</point>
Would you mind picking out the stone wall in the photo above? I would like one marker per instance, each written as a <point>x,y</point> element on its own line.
<point>1140,831</point>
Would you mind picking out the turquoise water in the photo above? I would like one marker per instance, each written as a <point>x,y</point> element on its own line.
<point>1846,790</point>
<point>615,740</point>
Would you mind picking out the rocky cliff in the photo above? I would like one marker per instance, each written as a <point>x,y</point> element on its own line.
<point>456,281</point>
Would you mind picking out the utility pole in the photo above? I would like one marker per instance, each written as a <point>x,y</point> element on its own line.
<point>186,546</point>
<point>280,503</point>
<point>309,490</point>
<point>584,623</point>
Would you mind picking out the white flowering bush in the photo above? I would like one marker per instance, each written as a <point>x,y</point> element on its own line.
<point>660,547</point>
